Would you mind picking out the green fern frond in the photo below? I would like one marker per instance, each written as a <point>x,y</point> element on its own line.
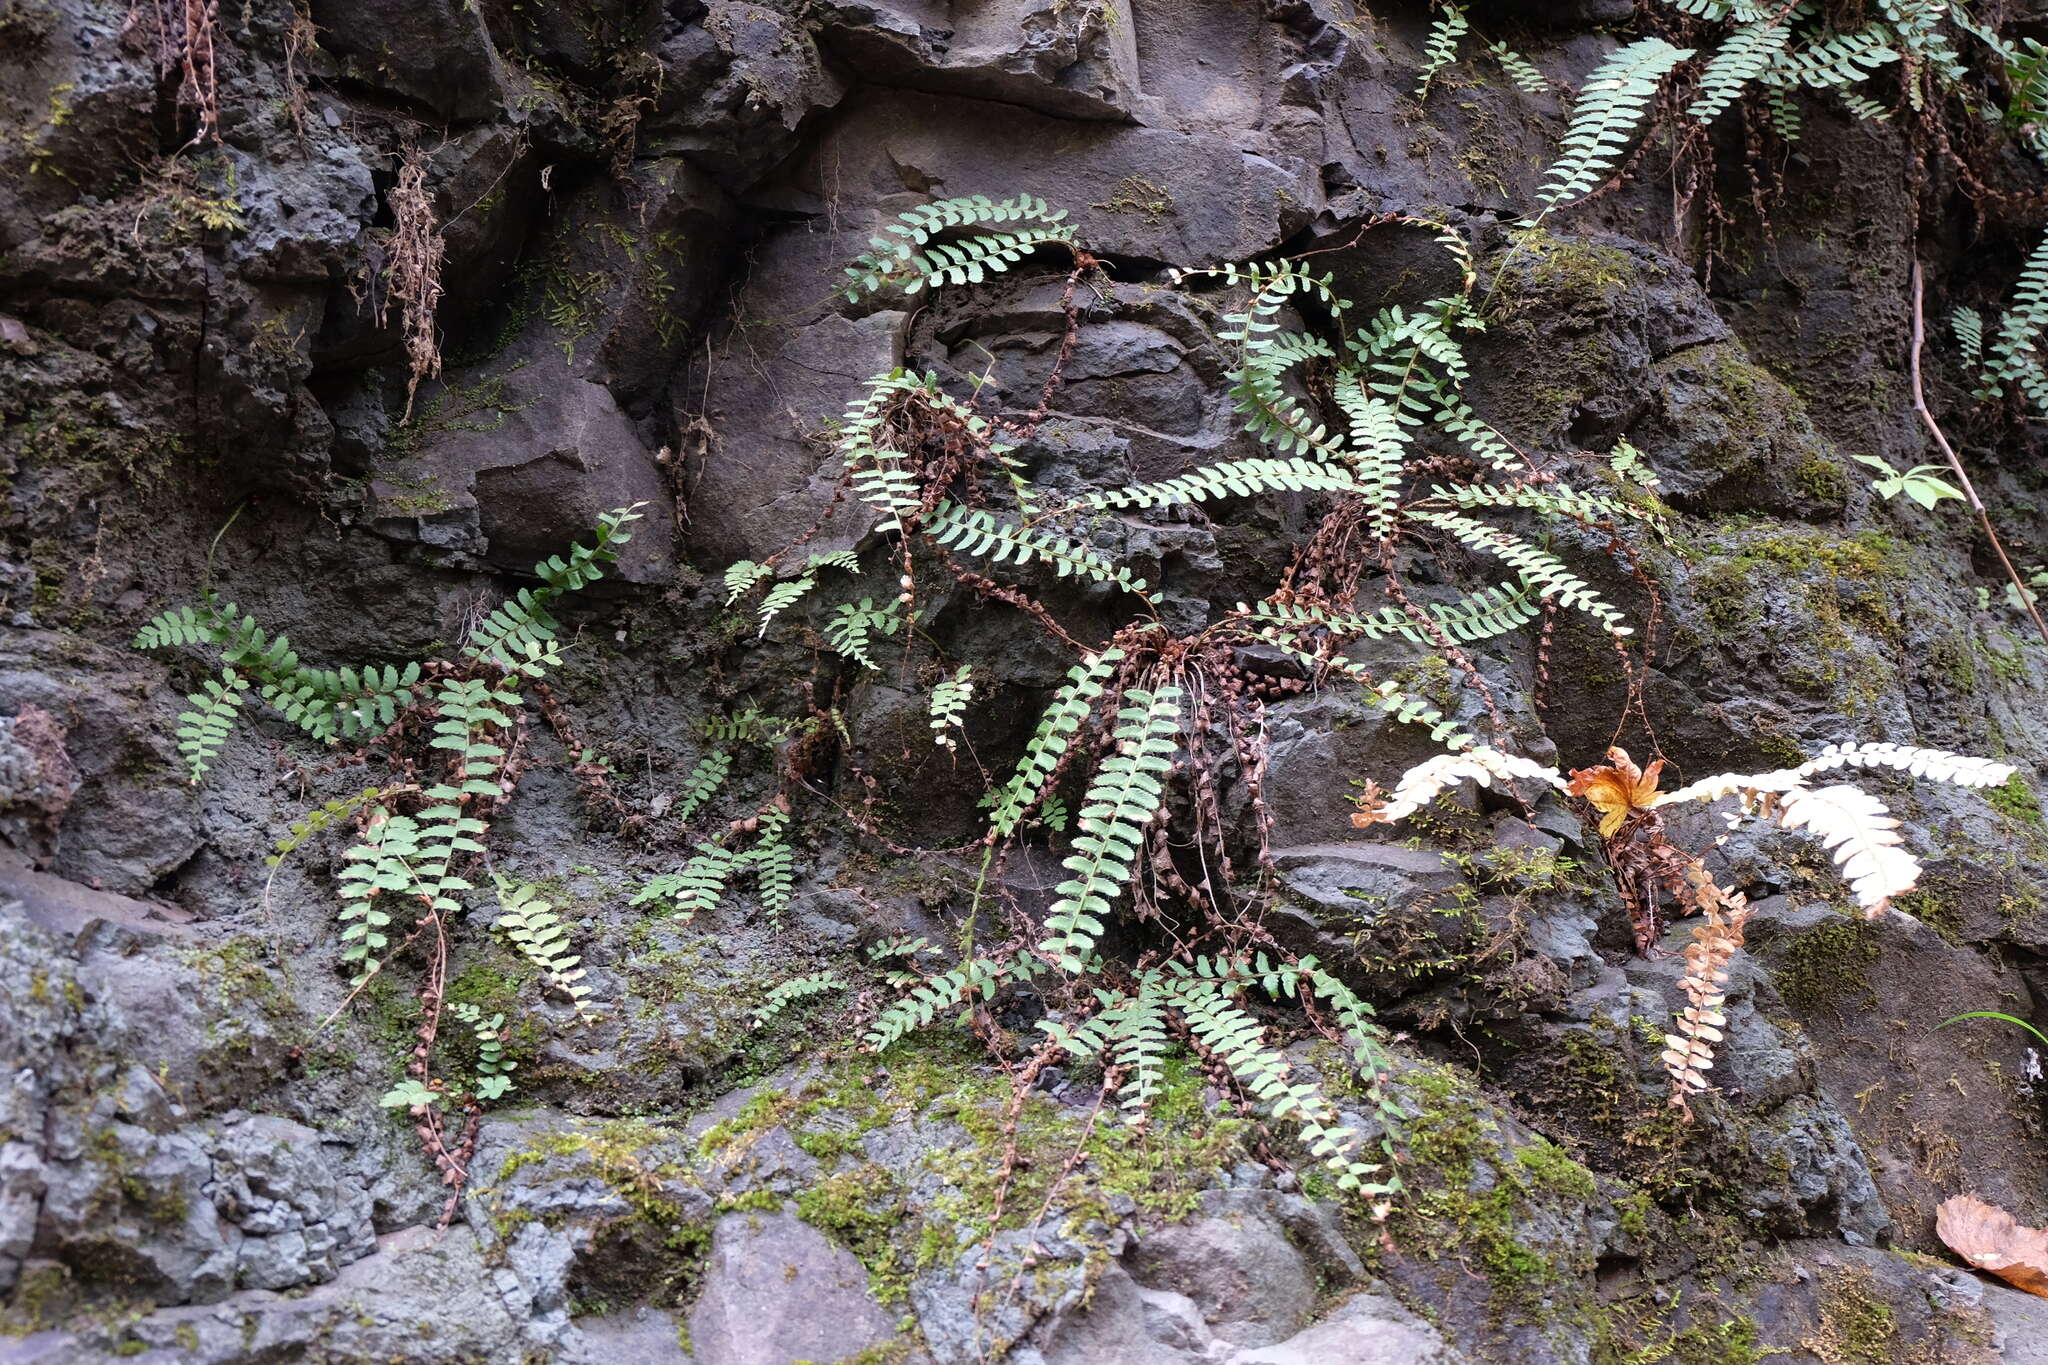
<point>948,702</point>
<point>977,532</point>
<point>1968,326</point>
<point>1542,571</point>
<point>1610,108</point>
<point>852,626</point>
<point>1125,792</point>
<point>1440,47</point>
<point>1746,57</point>
<point>907,256</point>
<point>1057,726</point>
<point>702,784</point>
<point>793,990</point>
<point>695,887</point>
<point>1520,69</point>
<point>1833,60</point>
<point>1231,479</point>
<point>531,926</point>
<point>1483,615</point>
<point>203,730</point>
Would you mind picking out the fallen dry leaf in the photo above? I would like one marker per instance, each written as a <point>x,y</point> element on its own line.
<point>1617,790</point>
<point>1991,1239</point>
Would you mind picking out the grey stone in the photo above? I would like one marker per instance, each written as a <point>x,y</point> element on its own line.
<point>776,1291</point>
<point>437,53</point>
<point>1368,1329</point>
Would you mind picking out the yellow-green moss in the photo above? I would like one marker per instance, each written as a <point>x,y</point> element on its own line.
<point>1816,969</point>
<point>2015,801</point>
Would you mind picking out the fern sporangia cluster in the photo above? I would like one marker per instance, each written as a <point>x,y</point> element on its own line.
<point>451,733</point>
<point>1154,734</point>
<point>1860,834</point>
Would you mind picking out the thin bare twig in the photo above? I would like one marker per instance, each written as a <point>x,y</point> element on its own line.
<point>1955,462</point>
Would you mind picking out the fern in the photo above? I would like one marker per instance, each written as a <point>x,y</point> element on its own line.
<point>532,927</point>
<point>853,626</point>
<point>1432,777</point>
<point>793,990</point>
<point>908,257</point>
<point>1611,106</point>
<point>1747,55</point>
<point>1968,326</point>
<point>203,730</point>
<point>493,1071</point>
<point>1126,791</point>
<point>697,886</point>
<point>773,862</point>
<point>1520,69</point>
<point>325,816</point>
<point>1540,570</point>
<point>1440,48</point>
<point>740,578</point>
<point>976,532</point>
<point>1056,730</point>
<point>702,784</point>
<point>2012,357</point>
<point>519,635</point>
<point>949,699</point>
<point>975,978</point>
<point>1485,614</point>
<point>1836,59</point>
<point>1232,479</point>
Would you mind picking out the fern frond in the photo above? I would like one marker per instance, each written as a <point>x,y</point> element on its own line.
<point>1520,69</point>
<point>976,532</point>
<point>1485,614</point>
<point>793,990</point>
<point>702,784</point>
<point>1833,60</point>
<point>1746,56</point>
<point>1968,326</point>
<point>1862,836</point>
<point>740,578</point>
<point>1057,726</point>
<point>781,598</point>
<point>948,700</point>
<point>531,926</point>
<point>697,886</point>
<point>907,256</point>
<point>1554,499</point>
<point>1122,797</point>
<point>1936,764</point>
<point>1432,777</point>
<point>1541,570</point>
<point>969,981</point>
<point>1232,479</point>
<point>852,626</point>
<point>773,862</point>
<point>1611,106</point>
<point>1440,47</point>
<point>203,730</point>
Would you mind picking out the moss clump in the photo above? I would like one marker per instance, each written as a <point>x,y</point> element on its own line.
<point>2015,801</point>
<point>1823,964</point>
<point>1732,1342</point>
<point>1135,194</point>
<point>1476,1199</point>
<point>862,1208</point>
<point>1822,480</point>
<point>1856,1326</point>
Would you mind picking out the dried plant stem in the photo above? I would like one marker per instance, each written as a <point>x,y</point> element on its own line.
<point>412,270</point>
<point>1955,462</point>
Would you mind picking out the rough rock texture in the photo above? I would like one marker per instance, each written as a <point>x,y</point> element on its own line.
<point>645,209</point>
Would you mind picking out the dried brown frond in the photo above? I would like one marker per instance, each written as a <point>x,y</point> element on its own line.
<point>412,269</point>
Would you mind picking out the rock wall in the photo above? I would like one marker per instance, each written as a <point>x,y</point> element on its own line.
<point>645,209</point>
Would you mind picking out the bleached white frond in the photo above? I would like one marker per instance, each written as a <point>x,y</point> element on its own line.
<point>1432,777</point>
<point>1862,835</point>
<point>1733,784</point>
<point>1962,769</point>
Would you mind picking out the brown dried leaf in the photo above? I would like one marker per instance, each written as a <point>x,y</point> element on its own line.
<point>1616,789</point>
<point>1991,1239</point>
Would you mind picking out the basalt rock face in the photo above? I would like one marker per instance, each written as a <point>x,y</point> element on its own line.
<point>645,211</point>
